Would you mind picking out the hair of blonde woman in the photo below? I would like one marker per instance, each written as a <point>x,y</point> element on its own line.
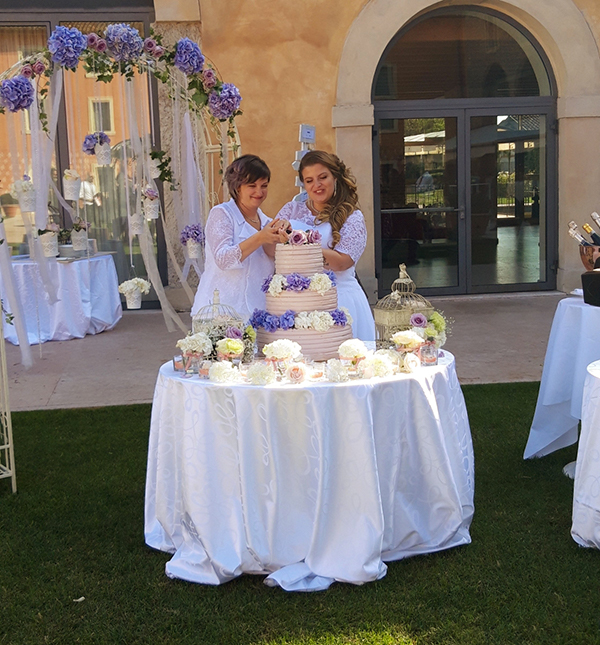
<point>344,200</point>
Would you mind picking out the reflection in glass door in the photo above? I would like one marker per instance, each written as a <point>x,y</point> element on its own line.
<point>420,203</point>
<point>508,199</point>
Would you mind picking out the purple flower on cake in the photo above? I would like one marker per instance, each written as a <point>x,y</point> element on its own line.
<point>224,104</point>
<point>234,332</point>
<point>286,320</point>
<point>124,42</point>
<point>188,57</point>
<point>297,238</point>
<point>418,320</point>
<point>16,93</point>
<point>332,277</point>
<point>339,317</point>
<point>265,285</point>
<point>66,45</point>
<point>271,322</point>
<point>313,236</point>
<point>257,319</point>
<point>297,282</point>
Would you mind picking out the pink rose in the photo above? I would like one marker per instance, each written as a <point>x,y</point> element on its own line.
<point>158,51</point>
<point>313,236</point>
<point>92,40</point>
<point>149,45</point>
<point>27,71</point>
<point>296,373</point>
<point>297,238</point>
<point>101,45</point>
<point>39,68</point>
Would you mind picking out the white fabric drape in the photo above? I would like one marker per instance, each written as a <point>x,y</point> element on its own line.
<point>309,484</point>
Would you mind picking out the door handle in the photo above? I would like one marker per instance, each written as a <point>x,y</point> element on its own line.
<point>461,213</point>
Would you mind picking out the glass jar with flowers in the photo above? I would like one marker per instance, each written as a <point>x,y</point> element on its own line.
<point>280,354</point>
<point>192,237</point>
<point>98,144</point>
<point>351,353</point>
<point>49,239</point>
<point>151,202</point>
<point>407,341</point>
<point>230,349</point>
<point>133,290</point>
<point>193,348</point>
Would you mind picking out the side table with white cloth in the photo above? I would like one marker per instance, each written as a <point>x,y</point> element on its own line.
<point>574,342</point>
<point>88,298</point>
<point>586,494</point>
<point>308,483</point>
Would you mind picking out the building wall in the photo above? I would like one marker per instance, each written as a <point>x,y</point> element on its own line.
<point>314,62</point>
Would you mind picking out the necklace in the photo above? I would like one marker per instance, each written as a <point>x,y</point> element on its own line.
<point>312,207</point>
<point>252,221</point>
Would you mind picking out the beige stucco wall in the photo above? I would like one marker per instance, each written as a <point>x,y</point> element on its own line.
<point>313,62</point>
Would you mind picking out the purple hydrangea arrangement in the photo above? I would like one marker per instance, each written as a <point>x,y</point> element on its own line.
<point>66,45</point>
<point>266,283</point>
<point>192,232</point>
<point>188,57</point>
<point>90,141</point>
<point>287,320</point>
<point>124,42</point>
<point>339,317</point>
<point>16,93</point>
<point>223,105</point>
<point>297,282</point>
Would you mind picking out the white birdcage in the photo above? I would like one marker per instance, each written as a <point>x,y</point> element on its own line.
<point>392,313</point>
<point>216,314</point>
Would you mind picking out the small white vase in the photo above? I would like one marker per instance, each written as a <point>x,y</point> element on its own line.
<point>103,155</point>
<point>153,167</point>
<point>26,200</point>
<point>49,244</point>
<point>71,188</point>
<point>151,207</point>
<point>134,299</point>
<point>79,240</point>
<point>194,249</point>
<point>136,224</point>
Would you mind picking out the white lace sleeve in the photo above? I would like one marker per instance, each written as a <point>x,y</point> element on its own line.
<point>353,236</point>
<point>219,237</point>
<point>298,211</point>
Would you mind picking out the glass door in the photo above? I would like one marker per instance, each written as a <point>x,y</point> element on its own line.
<point>421,202</point>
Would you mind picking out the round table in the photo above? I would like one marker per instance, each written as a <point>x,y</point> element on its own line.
<point>88,298</point>
<point>586,493</point>
<point>307,483</point>
<point>574,342</point>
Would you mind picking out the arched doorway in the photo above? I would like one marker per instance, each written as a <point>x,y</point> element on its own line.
<point>465,156</point>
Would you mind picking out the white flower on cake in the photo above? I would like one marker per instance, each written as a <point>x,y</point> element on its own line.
<point>296,373</point>
<point>377,365</point>
<point>278,284</point>
<point>260,374</point>
<point>348,316</point>
<point>230,346</point>
<point>224,372</point>
<point>408,339</point>
<point>321,320</point>
<point>411,362</point>
<point>134,284</point>
<point>198,343</point>
<point>321,283</point>
<point>282,349</point>
<point>336,371</point>
<point>352,348</point>
<point>303,320</point>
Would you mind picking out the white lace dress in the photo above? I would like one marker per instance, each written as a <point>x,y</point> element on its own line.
<point>353,239</point>
<point>239,282</point>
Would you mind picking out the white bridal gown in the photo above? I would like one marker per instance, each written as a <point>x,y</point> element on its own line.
<point>239,282</point>
<point>353,241</point>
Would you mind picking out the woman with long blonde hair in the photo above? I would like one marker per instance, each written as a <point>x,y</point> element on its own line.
<point>332,208</point>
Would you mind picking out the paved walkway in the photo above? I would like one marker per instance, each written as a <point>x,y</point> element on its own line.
<point>496,338</point>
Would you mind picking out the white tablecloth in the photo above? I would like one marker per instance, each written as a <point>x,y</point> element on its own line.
<point>89,300</point>
<point>586,493</point>
<point>574,342</point>
<point>308,483</point>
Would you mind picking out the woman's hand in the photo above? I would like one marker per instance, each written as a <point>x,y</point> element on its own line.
<point>274,232</point>
<point>335,261</point>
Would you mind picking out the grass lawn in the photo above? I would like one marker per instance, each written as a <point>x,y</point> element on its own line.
<point>75,529</point>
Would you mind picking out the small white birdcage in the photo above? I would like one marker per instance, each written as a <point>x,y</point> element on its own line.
<point>392,313</point>
<point>216,315</point>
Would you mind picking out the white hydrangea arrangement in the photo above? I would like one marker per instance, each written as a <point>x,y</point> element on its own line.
<point>336,371</point>
<point>198,343</point>
<point>135,284</point>
<point>379,365</point>
<point>282,349</point>
<point>224,372</point>
<point>352,349</point>
<point>260,374</point>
